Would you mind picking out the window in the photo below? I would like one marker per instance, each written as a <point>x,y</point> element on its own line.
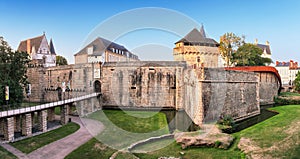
<point>90,50</point>
<point>198,59</point>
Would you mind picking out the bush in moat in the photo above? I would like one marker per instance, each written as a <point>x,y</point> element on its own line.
<point>279,101</point>
<point>226,124</point>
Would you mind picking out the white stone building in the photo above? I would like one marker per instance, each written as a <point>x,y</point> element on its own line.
<point>39,50</point>
<point>287,71</point>
<point>265,48</point>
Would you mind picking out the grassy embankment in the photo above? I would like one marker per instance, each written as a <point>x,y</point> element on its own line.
<point>122,128</point>
<point>30,144</point>
<point>269,137</point>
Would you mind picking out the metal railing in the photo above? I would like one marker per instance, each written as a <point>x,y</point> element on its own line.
<point>6,113</point>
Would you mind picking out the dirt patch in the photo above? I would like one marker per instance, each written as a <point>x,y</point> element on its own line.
<point>252,149</point>
<point>99,146</point>
<point>213,138</point>
<point>32,144</point>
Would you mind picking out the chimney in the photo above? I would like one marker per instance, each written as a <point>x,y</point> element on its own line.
<point>28,46</point>
<point>256,42</point>
<point>267,43</point>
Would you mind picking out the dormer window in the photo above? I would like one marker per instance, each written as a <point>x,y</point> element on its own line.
<point>90,50</point>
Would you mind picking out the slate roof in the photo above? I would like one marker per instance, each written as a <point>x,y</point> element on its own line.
<point>195,36</point>
<point>265,47</point>
<point>100,45</point>
<point>36,42</point>
<point>283,64</point>
<point>52,50</point>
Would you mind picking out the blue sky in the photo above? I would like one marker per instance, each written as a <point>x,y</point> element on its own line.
<point>70,22</point>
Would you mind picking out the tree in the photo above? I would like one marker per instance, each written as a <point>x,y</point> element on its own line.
<point>13,68</point>
<point>249,55</point>
<point>60,60</point>
<point>297,82</point>
<point>229,42</point>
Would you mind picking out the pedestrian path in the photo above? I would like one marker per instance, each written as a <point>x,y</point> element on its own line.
<point>14,151</point>
<point>61,148</point>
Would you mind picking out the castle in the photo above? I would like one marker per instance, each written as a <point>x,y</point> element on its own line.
<point>193,82</point>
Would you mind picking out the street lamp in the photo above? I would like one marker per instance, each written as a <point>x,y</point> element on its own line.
<point>6,92</point>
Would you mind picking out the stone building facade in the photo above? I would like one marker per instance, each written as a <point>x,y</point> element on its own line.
<point>288,71</point>
<point>197,50</point>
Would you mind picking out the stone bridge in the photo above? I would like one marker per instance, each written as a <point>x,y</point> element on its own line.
<point>23,120</point>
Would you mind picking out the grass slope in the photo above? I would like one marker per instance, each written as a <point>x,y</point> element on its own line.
<point>272,136</point>
<point>92,149</point>
<point>123,128</point>
<point>30,144</point>
<point>278,136</point>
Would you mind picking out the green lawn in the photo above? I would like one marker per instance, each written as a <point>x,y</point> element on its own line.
<point>123,128</point>
<point>4,154</point>
<point>278,135</point>
<point>30,144</point>
<point>175,150</point>
<point>278,131</point>
<point>92,149</point>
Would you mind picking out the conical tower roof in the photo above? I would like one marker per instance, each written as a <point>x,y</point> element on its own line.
<point>198,37</point>
<point>52,50</point>
<point>202,31</point>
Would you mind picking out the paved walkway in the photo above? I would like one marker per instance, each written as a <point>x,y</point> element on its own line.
<point>14,151</point>
<point>61,148</point>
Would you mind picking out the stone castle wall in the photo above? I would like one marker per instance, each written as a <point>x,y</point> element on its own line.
<point>45,82</point>
<point>141,84</point>
<point>269,86</point>
<point>231,93</point>
<point>205,94</point>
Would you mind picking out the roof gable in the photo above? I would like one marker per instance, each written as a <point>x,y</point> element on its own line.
<point>265,47</point>
<point>100,45</point>
<point>36,42</point>
<point>196,36</point>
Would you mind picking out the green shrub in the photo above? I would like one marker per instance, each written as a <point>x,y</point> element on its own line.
<point>226,124</point>
<point>284,101</point>
<point>217,143</point>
